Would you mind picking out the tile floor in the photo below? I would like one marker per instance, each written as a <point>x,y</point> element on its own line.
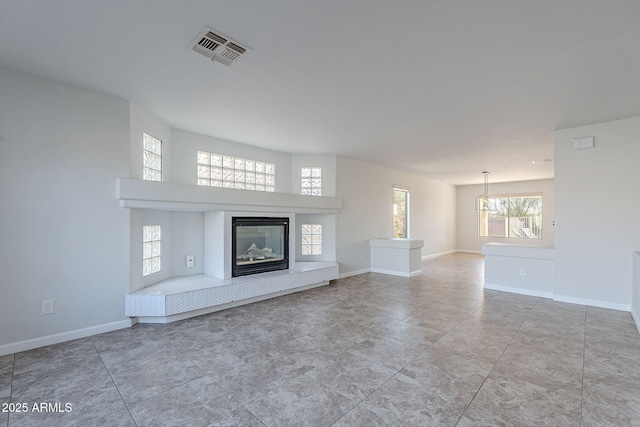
<point>369,350</point>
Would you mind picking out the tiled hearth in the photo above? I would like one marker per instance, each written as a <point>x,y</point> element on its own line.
<point>188,296</point>
<point>216,289</point>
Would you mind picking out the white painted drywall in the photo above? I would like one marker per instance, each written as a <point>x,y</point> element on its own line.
<point>367,212</point>
<point>597,212</point>
<point>182,235</point>
<point>140,218</point>
<point>467,238</point>
<point>63,234</point>
<point>185,147</point>
<point>521,269</point>
<point>187,238</point>
<point>398,257</point>
<point>328,222</point>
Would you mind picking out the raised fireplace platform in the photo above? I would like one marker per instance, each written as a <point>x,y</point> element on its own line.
<point>189,296</point>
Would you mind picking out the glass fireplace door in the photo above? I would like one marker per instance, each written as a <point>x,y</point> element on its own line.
<point>260,244</point>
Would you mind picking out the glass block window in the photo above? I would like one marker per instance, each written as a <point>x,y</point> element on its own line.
<point>151,158</point>
<point>217,170</point>
<point>311,181</point>
<point>311,239</point>
<point>151,236</point>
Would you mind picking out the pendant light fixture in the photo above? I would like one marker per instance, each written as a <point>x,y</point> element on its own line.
<point>485,202</point>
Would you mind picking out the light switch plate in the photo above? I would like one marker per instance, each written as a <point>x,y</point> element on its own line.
<point>48,306</point>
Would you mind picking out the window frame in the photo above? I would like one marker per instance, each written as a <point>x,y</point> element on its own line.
<point>407,211</point>
<point>533,230</point>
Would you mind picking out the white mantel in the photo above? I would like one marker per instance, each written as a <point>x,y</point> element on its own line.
<point>135,193</point>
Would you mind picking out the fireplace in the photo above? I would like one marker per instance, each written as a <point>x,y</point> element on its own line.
<point>259,244</point>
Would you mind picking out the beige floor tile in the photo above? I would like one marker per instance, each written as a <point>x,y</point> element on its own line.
<point>367,350</point>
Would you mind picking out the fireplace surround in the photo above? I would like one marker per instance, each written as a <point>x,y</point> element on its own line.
<point>182,297</point>
<point>219,257</point>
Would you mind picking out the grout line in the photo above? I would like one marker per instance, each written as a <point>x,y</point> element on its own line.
<point>13,373</point>
<point>377,388</point>
<point>584,351</point>
<point>412,360</point>
<point>113,382</point>
<point>375,332</point>
<point>497,361</point>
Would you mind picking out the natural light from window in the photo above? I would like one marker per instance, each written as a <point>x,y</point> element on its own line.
<point>400,213</point>
<point>151,158</point>
<point>151,249</point>
<point>514,216</point>
<point>311,239</point>
<point>217,170</point>
<point>311,181</point>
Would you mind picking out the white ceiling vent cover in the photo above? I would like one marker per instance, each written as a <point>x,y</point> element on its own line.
<point>218,47</point>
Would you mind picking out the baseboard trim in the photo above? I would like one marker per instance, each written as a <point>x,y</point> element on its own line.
<point>521,291</point>
<point>354,273</point>
<point>592,303</point>
<point>396,273</point>
<point>438,254</point>
<point>468,251</point>
<point>63,337</point>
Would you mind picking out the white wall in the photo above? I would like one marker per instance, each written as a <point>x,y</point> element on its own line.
<point>185,146</point>
<point>63,234</point>
<point>328,164</point>
<point>187,238</point>
<point>144,122</point>
<point>597,212</point>
<point>140,218</point>
<point>328,223</point>
<point>367,212</point>
<point>467,238</point>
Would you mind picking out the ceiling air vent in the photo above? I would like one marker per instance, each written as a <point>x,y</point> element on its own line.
<point>217,47</point>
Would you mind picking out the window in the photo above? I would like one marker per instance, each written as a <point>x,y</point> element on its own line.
<point>151,158</point>
<point>311,239</point>
<point>518,216</point>
<point>151,250</point>
<point>216,170</point>
<point>400,213</point>
<point>311,181</point>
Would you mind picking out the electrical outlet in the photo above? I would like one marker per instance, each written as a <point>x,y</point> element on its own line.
<point>191,261</point>
<point>48,306</point>
<point>523,271</point>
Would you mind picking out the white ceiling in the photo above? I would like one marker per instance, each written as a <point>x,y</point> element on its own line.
<point>445,89</point>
